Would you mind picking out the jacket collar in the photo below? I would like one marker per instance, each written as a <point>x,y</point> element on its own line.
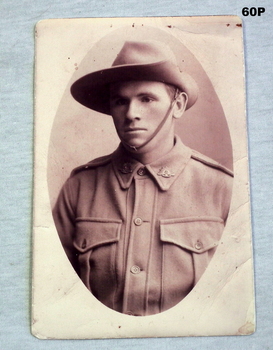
<point>164,170</point>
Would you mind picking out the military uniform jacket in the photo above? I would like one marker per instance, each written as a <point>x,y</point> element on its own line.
<point>140,236</point>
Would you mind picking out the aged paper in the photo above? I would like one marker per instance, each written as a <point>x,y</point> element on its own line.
<point>68,135</point>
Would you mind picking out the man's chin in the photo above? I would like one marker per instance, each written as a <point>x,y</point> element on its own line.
<point>134,141</point>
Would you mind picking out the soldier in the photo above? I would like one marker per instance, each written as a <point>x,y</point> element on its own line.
<point>141,225</point>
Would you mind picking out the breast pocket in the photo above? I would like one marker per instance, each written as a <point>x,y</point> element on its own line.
<point>188,245</point>
<point>95,241</point>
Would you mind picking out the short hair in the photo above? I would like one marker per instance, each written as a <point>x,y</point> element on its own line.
<point>172,90</point>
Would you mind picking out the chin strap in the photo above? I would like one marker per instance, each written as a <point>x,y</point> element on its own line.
<point>159,127</point>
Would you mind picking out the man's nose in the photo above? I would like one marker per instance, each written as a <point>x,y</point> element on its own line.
<point>133,110</point>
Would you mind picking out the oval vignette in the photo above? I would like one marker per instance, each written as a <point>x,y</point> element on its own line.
<point>80,135</point>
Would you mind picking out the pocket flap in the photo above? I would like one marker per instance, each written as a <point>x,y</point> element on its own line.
<point>197,234</point>
<point>93,232</point>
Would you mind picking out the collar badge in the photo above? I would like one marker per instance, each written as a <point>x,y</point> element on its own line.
<point>165,172</point>
<point>126,168</point>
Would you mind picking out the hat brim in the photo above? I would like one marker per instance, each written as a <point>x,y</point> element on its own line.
<point>92,90</point>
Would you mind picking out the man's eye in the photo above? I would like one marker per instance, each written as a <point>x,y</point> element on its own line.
<point>120,102</point>
<point>146,99</point>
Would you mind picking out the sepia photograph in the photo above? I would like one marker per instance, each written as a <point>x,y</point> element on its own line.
<point>141,222</point>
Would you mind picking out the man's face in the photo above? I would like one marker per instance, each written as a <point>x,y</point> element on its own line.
<point>137,108</point>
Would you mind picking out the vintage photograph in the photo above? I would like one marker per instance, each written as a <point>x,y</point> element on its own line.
<point>141,199</point>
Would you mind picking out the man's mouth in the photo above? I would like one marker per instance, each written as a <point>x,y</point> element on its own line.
<point>129,130</point>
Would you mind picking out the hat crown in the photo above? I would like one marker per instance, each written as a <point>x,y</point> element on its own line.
<point>145,52</point>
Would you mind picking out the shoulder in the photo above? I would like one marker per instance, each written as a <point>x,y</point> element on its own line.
<point>95,163</point>
<point>207,161</point>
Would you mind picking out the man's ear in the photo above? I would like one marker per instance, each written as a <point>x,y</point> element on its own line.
<point>180,105</point>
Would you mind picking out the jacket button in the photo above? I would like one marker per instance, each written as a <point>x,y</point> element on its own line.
<point>135,269</point>
<point>198,245</point>
<point>138,221</point>
<point>141,171</point>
